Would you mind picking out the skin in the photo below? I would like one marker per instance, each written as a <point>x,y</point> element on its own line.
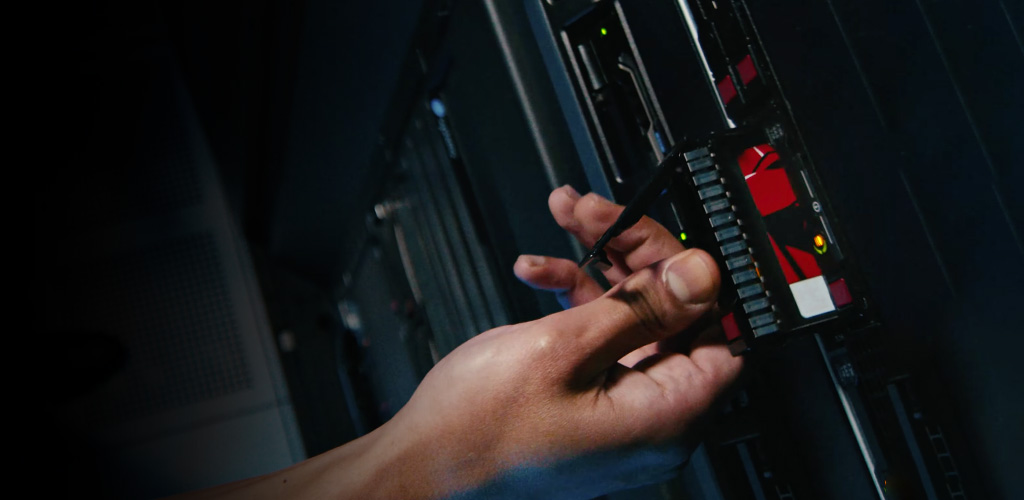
<point>605,395</point>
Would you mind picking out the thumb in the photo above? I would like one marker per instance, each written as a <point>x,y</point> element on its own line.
<point>650,305</point>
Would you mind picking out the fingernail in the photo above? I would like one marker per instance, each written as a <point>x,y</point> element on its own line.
<point>570,192</point>
<point>533,260</point>
<point>689,278</point>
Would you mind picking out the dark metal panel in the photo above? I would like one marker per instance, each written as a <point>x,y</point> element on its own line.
<point>674,68</point>
<point>980,54</point>
<point>813,412</point>
<point>920,198</point>
<point>447,231</point>
<point>506,174</point>
<point>438,246</point>
<point>476,268</point>
<point>347,69</point>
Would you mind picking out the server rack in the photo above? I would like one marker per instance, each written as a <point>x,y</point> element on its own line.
<point>871,404</point>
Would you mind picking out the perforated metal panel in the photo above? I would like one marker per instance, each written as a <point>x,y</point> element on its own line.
<point>170,306</point>
<point>144,250</point>
<point>124,191</point>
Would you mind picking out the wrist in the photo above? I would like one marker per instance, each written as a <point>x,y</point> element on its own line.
<point>396,461</point>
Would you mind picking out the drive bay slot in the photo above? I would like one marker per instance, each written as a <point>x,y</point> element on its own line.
<point>622,110</point>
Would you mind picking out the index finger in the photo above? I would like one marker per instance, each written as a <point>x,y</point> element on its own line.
<point>588,217</point>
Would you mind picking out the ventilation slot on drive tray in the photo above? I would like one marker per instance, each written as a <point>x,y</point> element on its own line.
<point>740,266</point>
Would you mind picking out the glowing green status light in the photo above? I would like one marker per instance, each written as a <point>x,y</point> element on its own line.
<point>682,236</point>
<point>604,31</point>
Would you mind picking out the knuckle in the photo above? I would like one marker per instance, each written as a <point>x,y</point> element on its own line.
<point>593,199</point>
<point>543,342</point>
<point>593,207</point>
<point>703,378</point>
<point>646,306</point>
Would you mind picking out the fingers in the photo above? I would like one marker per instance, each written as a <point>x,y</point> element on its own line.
<point>712,356</point>
<point>667,392</point>
<point>687,385</point>
<point>562,202</point>
<point>651,305</point>
<point>588,217</point>
<point>643,244</point>
<point>572,285</point>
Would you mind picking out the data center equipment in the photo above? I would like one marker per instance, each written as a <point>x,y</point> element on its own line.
<point>231,287</point>
<point>844,164</point>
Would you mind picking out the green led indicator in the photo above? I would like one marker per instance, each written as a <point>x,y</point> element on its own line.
<point>604,31</point>
<point>682,236</point>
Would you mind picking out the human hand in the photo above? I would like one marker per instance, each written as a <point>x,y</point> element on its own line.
<point>597,398</point>
<point>582,402</point>
<point>587,218</point>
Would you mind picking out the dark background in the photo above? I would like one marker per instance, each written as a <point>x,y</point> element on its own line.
<point>291,98</point>
<point>288,99</point>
